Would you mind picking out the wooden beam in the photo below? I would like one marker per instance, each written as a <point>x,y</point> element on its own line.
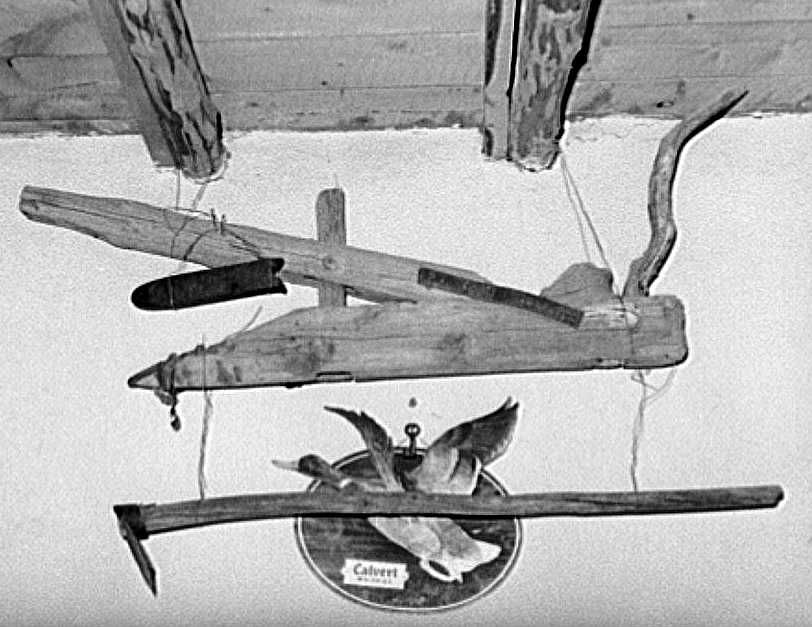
<point>151,47</point>
<point>331,228</point>
<point>443,338</point>
<point>154,519</point>
<point>366,274</point>
<point>524,119</point>
<point>498,76</point>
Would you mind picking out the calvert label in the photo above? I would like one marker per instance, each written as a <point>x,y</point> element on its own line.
<point>375,574</point>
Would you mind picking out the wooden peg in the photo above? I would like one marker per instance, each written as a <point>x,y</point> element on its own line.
<point>331,228</point>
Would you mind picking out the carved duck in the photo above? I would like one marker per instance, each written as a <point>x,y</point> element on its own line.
<point>451,465</point>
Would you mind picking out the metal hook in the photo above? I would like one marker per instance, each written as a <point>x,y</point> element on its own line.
<point>412,430</point>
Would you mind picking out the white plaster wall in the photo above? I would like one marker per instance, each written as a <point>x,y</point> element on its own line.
<point>75,440</point>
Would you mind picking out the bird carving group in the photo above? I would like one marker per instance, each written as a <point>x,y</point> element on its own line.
<point>450,465</point>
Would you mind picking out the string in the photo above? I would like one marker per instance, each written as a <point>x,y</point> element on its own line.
<point>565,173</point>
<point>208,412</point>
<point>582,208</point>
<point>639,422</point>
<point>639,376</point>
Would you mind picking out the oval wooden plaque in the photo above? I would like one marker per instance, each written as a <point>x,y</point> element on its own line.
<point>355,560</point>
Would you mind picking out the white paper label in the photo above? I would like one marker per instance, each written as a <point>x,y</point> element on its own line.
<point>375,574</point>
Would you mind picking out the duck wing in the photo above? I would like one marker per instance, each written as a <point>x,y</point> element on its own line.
<point>446,470</point>
<point>454,460</point>
<point>487,437</point>
<point>378,443</point>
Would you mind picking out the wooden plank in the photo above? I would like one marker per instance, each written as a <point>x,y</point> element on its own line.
<point>673,12</point>
<point>315,18</point>
<point>100,107</point>
<point>138,226</point>
<point>331,229</point>
<point>455,337</point>
<point>152,51</point>
<point>646,59</point>
<point>376,61</point>
<point>410,61</point>
<point>65,27</point>
<point>168,517</point>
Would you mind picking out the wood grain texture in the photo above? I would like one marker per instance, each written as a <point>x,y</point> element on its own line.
<point>331,229</point>
<point>161,231</point>
<point>155,519</point>
<point>430,339</point>
<point>645,269</point>
<point>313,65</point>
<point>155,60</point>
<point>497,78</point>
<point>551,36</point>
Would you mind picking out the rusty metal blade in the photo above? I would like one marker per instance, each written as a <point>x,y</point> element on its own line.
<point>500,294</point>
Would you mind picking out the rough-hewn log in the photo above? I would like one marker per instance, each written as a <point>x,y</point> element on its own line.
<point>331,229</point>
<point>645,269</point>
<point>152,50</point>
<point>138,226</point>
<point>545,54</point>
<point>442,338</point>
<point>153,519</point>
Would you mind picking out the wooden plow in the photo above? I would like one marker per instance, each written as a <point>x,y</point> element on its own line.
<point>426,319</point>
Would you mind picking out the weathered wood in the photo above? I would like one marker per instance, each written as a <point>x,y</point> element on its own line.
<point>160,231</point>
<point>331,228</point>
<point>544,56</point>
<point>131,528</point>
<point>645,269</point>
<point>498,76</point>
<point>151,48</point>
<point>443,338</point>
<point>366,65</point>
<point>155,519</point>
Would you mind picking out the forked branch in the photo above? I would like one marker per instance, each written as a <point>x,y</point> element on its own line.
<point>645,269</point>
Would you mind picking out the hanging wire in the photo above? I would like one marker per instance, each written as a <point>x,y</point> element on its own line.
<point>208,413</point>
<point>646,401</point>
<point>565,173</point>
<point>639,376</point>
<point>582,208</point>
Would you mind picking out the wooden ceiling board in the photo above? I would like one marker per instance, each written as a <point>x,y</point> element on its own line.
<point>321,64</point>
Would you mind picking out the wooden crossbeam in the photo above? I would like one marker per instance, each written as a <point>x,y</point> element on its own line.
<point>366,274</point>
